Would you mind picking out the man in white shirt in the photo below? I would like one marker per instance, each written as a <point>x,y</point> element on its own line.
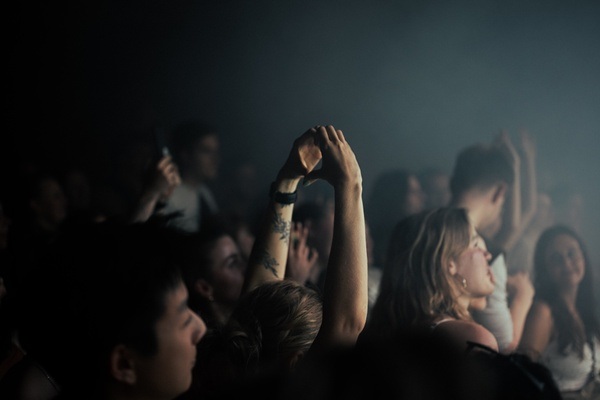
<point>195,147</point>
<point>484,176</point>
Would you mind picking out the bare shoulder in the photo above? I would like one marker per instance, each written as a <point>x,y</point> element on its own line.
<point>539,318</point>
<point>461,332</point>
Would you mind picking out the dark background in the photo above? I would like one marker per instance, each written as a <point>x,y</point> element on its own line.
<point>409,82</point>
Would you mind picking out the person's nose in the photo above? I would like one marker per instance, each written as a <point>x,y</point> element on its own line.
<point>200,330</point>
<point>488,255</point>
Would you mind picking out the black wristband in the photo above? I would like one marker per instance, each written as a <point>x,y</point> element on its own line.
<point>282,198</point>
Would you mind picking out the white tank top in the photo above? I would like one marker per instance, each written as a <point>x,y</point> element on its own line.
<point>569,371</point>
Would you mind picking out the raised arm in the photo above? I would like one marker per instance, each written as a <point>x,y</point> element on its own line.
<point>520,292</point>
<point>510,229</point>
<point>345,294</point>
<point>160,183</point>
<point>270,251</point>
<point>529,192</point>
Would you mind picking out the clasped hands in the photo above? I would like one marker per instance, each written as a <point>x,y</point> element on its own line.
<point>321,143</point>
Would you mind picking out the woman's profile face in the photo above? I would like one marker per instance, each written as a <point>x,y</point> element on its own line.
<point>564,261</point>
<point>473,266</point>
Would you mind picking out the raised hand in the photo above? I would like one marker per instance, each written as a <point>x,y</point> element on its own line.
<point>303,157</point>
<point>527,144</point>
<point>165,177</point>
<point>302,259</point>
<point>505,144</point>
<point>158,186</point>
<point>271,249</point>
<point>339,162</point>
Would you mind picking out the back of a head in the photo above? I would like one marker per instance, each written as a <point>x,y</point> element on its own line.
<point>415,286</point>
<point>479,167</point>
<point>278,319</point>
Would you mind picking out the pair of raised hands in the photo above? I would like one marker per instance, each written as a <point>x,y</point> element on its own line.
<point>339,168</point>
<point>326,144</point>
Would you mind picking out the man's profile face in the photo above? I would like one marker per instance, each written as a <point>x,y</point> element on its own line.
<point>168,373</point>
<point>204,157</point>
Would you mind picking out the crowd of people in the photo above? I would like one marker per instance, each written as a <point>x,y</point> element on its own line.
<point>180,282</point>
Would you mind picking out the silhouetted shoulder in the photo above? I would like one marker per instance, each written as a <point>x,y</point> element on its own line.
<point>460,332</point>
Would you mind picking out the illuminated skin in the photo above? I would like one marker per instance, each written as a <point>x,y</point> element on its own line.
<point>473,266</point>
<point>168,373</point>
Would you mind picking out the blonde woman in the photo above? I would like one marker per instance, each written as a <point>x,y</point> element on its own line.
<point>436,265</point>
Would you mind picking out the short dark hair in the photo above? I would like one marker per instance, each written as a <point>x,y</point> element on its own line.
<point>480,166</point>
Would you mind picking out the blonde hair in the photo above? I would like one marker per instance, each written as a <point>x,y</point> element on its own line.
<point>416,286</point>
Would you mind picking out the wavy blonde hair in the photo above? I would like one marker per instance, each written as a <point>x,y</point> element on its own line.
<point>416,286</point>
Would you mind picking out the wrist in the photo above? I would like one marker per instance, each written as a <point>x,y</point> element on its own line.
<point>285,185</point>
<point>351,183</point>
<point>284,191</point>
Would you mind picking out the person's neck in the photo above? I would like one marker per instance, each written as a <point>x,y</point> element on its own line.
<point>465,302</point>
<point>570,297</point>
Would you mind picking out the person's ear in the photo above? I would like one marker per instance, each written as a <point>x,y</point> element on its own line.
<point>452,267</point>
<point>122,365</point>
<point>204,289</point>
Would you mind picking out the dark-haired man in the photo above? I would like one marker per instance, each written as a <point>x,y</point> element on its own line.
<point>483,178</point>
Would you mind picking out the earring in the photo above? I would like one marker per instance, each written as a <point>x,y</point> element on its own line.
<point>464,283</point>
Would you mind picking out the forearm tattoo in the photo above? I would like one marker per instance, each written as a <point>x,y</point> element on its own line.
<point>282,227</point>
<point>268,262</point>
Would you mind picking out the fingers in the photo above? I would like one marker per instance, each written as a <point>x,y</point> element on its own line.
<point>299,234</point>
<point>329,134</point>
